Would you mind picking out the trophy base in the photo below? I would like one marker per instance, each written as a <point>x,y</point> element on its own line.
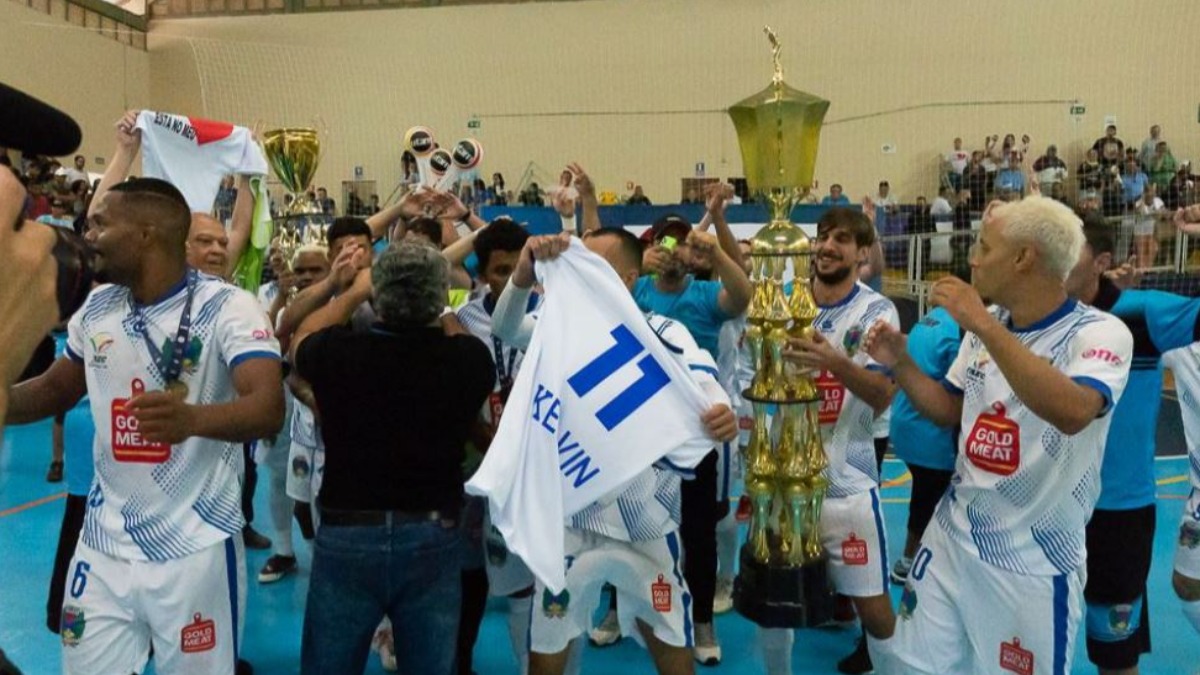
<point>783,597</point>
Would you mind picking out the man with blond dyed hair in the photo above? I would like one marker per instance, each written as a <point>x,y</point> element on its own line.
<point>998,581</point>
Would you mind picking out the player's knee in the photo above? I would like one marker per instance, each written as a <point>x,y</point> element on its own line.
<point>1113,622</point>
<point>1186,588</point>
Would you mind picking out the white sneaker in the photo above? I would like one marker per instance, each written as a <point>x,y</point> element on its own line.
<point>723,599</point>
<point>707,650</point>
<point>608,632</point>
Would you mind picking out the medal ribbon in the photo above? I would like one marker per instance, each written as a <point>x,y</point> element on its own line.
<point>170,369</point>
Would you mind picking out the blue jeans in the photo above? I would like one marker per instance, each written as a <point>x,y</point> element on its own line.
<point>409,572</point>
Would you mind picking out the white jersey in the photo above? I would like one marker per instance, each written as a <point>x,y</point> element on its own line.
<point>734,362</point>
<point>648,507</point>
<point>847,422</point>
<point>1185,365</point>
<point>267,294</point>
<point>194,154</point>
<point>154,501</point>
<point>1022,490</point>
<point>476,317</point>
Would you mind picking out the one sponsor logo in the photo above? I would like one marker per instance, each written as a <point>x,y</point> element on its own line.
<point>1102,355</point>
<point>852,339</point>
<point>854,550</point>
<point>555,606</point>
<point>994,443</point>
<point>198,636</point>
<point>300,467</point>
<point>982,358</point>
<point>261,334</point>
<point>1189,536</point>
<point>833,394</point>
<point>908,602</point>
<point>72,625</point>
<point>101,342</point>
<point>660,594</point>
<point>1016,659</point>
<point>746,422</point>
<point>128,444</point>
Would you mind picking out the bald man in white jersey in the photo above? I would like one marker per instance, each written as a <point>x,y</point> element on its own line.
<point>181,369</point>
<point>997,585</point>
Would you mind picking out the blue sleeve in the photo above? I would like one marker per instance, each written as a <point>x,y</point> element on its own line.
<point>1172,319</point>
<point>949,342</point>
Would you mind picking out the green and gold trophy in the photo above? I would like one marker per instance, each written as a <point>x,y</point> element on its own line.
<point>294,154</point>
<point>783,582</point>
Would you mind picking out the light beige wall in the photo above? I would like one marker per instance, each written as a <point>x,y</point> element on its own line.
<point>370,75</point>
<point>92,77</point>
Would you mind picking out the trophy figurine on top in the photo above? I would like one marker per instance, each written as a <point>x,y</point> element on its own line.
<point>294,154</point>
<point>782,582</point>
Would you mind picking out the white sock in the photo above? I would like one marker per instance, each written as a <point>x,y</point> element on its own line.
<point>881,653</point>
<point>777,649</point>
<point>727,545</point>
<point>518,630</point>
<point>574,657</point>
<point>281,516</point>
<point>1192,611</point>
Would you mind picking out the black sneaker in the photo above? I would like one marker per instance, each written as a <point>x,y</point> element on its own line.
<point>277,567</point>
<point>6,666</point>
<point>244,668</point>
<point>55,474</point>
<point>255,540</point>
<point>859,661</point>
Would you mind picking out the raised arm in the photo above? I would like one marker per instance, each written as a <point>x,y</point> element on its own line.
<point>129,143</point>
<point>736,290</point>
<point>240,224</point>
<point>337,311</point>
<point>889,347</point>
<point>341,275</point>
<point>587,197</point>
<point>715,199</point>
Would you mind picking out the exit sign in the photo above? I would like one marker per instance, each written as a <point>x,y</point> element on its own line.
<point>473,124</point>
<point>1078,109</point>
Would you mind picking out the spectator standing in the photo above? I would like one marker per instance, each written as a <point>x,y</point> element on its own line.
<point>1051,172</point>
<point>638,198</point>
<point>1161,166</point>
<point>1133,181</point>
<point>1150,145</point>
<point>975,180</point>
<point>325,202</point>
<point>835,196</point>
<point>1109,148</point>
<point>78,171</point>
<point>956,162</point>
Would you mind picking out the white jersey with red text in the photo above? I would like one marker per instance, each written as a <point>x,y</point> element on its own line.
<point>1185,366</point>
<point>194,154</point>
<point>153,501</point>
<point>1023,490</point>
<point>847,422</point>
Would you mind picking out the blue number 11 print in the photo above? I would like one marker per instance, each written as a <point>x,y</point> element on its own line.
<point>624,404</point>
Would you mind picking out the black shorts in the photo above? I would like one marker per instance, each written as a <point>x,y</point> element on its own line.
<point>1119,546</point>
<point>928,486</point>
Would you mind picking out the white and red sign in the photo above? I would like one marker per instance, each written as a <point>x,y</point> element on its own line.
<point>660,594</point>
<point>1016,659</point>
<point>198,636</point>
<point>994,443</point>
<point>128,445</point>
<point>833,396</point>
<point>854,550</point>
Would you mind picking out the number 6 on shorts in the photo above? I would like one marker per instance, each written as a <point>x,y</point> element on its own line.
<point>79,579</point>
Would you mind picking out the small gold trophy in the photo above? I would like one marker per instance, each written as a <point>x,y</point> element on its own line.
<point>782,581</point>
<point>294,154</point>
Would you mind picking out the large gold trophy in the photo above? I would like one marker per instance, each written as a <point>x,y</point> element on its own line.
<point>294,154</point>
<point>782,581</point>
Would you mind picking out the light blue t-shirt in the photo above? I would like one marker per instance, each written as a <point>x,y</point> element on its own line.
<point>696,307</point>
<point>1134,185</point>
<point>933,345</point>
<point>79,432</point>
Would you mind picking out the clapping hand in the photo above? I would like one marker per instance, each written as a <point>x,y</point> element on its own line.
<point>885,344</point>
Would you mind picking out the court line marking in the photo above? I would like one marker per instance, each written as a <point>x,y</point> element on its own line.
<point>29,505</point>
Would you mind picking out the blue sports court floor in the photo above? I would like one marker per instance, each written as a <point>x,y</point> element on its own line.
<point>31,511</point>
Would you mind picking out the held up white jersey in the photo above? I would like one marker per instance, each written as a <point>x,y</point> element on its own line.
<point>152,501</point>
<point>1185,365</point>
<point>648,507</point>
<point>1023,490</point>
<point>846,420</point>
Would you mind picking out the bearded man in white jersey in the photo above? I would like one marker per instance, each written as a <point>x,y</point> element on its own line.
<point>997,584</point>
<point>854,390</point>
<point>181,369</point>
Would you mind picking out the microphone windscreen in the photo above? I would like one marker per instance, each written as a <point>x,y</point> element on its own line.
<point>34,127</point>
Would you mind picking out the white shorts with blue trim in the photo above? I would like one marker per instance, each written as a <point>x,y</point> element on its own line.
<point>1187,552</point>
<point>855,539</point>
<point>960,616</point>
<point>190,610</point>
<point>648,576</point>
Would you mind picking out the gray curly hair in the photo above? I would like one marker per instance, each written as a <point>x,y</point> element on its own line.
<point>411,283</point>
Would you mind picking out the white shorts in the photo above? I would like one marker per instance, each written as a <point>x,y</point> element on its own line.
<point>507,573</point>
<point>1143,227</point>
<point>190,610</point>
<point>855,539</point>
<point>648,579</point>
<point>1187,552</point>
<point>959,616</point>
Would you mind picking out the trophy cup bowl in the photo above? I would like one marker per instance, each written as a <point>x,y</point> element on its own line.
<point>782,586</point>
<point>294,154</point>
